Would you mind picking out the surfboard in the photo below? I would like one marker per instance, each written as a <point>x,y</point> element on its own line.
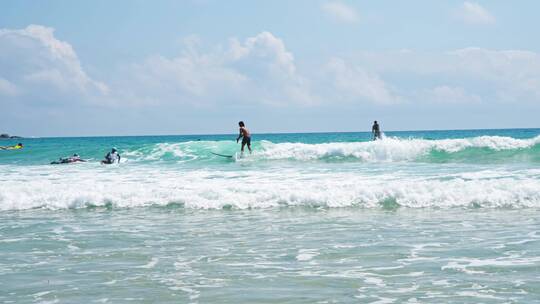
<point>222,155</point>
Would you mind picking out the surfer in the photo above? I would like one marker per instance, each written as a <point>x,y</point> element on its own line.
<point>111,157</point>
<point>245,135</point>
<point>376,131</point>
<point>67,160</point>
<point>15,147</point>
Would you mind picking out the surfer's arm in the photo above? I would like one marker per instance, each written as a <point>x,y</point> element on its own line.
<point>240,135</point>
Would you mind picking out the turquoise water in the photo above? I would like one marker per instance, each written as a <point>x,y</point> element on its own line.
<point>428,217</point>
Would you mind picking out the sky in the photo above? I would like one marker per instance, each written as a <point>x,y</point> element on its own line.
<point>85,68</point>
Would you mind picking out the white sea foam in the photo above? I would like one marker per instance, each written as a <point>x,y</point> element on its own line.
<point>389,149</point>
<point>306,254</point>
<point>163,150</point>
<point>151,264</point>
<point>38,187</point>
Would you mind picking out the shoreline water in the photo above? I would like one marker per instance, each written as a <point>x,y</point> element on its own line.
<point>342,255</point>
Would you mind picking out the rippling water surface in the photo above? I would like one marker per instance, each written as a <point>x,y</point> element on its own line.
<point>296,255</point>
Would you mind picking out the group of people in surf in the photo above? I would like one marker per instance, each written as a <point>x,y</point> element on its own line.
<point>114,157</point>
<point>246,135</point>
<point>110,158</point>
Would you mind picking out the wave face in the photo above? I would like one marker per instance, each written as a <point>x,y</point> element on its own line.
<point>477,149</point>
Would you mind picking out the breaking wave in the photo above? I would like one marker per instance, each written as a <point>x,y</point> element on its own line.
<point>207,189</point>
<point>476,149</point>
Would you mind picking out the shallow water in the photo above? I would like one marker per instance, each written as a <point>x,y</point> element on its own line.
<point>292,255</point>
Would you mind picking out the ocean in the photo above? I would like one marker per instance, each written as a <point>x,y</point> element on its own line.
<point>418,217</point>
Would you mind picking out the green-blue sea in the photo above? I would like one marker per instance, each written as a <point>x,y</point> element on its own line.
<point>417,217</point>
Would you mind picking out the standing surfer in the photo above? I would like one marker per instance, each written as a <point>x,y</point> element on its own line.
<point>376,131</point>
<point>245,135</point>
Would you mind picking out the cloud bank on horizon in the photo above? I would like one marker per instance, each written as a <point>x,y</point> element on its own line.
<point>47,87</point>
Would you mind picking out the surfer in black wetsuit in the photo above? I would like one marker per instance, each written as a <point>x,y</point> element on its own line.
<point>376,131</point>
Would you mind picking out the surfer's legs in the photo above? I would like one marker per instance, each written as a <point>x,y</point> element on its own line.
<point>246,141</point>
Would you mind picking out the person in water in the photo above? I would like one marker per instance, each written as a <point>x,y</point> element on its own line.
<point>376,131</point>
<point>67,160</point>
<point>111,157</point>
<point>15,147</point>
<point>245,135</point>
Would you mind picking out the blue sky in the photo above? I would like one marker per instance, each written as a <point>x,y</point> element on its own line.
<point>71,68</point>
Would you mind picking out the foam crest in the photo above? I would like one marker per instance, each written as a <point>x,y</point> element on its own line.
<point>183,151</point>
<point>201,189</point>
<point>390,149</point>
<point>161,151</point>
<point>385,150</point>
<point>496,143</point>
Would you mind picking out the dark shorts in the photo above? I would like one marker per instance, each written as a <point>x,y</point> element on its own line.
<point>246,141</point>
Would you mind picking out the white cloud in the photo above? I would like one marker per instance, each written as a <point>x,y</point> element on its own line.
<point>512,74</point>
<point>496,76</point>
<point>340,11</point>
<point>7,88</point>
<point>449,95</point>
<point>258,70</point>
<point>271,68</point>
<point>474,13</point>
<point>353,83</point>
<point>189,78</point>
<point>37,68</point>
<point>41,68</point>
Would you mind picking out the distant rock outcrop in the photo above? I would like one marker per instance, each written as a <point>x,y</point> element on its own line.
<point>6,136</point>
